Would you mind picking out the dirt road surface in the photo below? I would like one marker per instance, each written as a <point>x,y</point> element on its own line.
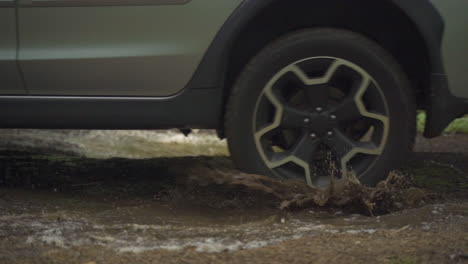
<point>168,199</point>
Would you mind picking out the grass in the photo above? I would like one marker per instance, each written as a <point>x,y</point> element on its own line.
<point>436,177</point>
<point>458,126</point>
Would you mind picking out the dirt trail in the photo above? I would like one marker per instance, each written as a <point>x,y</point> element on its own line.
<point>61,208</point>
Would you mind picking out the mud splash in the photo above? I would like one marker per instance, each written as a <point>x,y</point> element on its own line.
<point>203,183</point>
<point>200,179</point>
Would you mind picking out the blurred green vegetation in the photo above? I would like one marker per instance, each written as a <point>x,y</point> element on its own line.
<point>458,126</point>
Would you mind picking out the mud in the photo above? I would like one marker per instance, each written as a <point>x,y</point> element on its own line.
<point>57,206</point>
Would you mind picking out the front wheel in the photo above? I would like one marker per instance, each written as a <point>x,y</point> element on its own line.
<point>319,105</point>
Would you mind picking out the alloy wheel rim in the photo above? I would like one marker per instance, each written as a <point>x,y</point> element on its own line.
<point>310,107</point>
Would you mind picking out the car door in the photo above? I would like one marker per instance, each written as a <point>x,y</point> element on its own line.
<point>455,44</point>
<point>10,81</point>
<point>115,47</point>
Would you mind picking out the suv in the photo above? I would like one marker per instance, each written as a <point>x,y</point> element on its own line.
<point>302,89</point>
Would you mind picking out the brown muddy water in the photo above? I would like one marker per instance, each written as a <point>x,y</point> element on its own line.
<point>158,197</point>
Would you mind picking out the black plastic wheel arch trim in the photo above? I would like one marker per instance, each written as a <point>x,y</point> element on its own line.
<point>189,109</point>
<point>444,107</point>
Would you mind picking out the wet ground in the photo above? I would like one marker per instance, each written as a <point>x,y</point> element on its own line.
<point>57,206</point>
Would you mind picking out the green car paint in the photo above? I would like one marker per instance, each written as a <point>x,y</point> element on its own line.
<point>455,44</point>
<point>141,47</point>
<point>148,50</point>
<point>9,74</point>
<point>77,3</point>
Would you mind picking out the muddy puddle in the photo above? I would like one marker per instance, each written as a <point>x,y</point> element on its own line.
<point>58,206</point>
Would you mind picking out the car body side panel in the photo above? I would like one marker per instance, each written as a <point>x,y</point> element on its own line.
<point>9,73</point>
<point>149,50</point>
<point>455,44</point>
<point>77,3</point>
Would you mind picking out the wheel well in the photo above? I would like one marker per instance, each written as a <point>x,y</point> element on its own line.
<point>381,21</point>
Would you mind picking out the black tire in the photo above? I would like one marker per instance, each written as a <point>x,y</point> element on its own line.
<point>309,43</point>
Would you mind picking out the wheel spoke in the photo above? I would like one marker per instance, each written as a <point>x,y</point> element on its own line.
<point>316,89</point>
<point>340,144</point>
<point>282,159</point>
<point>273,98</point>
<point>305,148</point>
<point>352,106</point>
<point>314,81</point>
<point>300,155</point>
<point>347,111</point>
<point>294,118</point>
<point>346,148</point>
